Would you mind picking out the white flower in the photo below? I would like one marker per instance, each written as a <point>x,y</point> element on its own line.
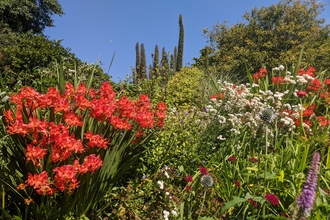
<point>281,67</point>
<point>221,138</point>
<point>166,214</point>
<point>166,174</point>
<point>175,213</point>
<point>161,184</point>
<point>167,193</point>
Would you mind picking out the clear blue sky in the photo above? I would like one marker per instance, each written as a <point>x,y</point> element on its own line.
<point>97,28</point>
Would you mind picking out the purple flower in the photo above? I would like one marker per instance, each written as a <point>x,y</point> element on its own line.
<point>305,200</point>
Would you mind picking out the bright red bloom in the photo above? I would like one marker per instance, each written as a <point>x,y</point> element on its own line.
<point>307,122</point>
<point>323,121</point>
<point>217,96</point>
<point>40,183</point>
<point>65,178</point>
<point>261,74</point>
<point>91,163</point>
<point>301,93</point>
<point>307,113</point>
<point>35,154</point>
<point>315,85</point>
<point>71,119</point>
<point>326,82</point>
<point>272,198</point>
<point>310,71</point>
<point>254,203</point>
<point>189,179</point>
<point>232,158</point>
<point>203,170</point>
<point>96,140</point>
<point>277,80</point>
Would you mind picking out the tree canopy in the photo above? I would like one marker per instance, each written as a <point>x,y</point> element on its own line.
<point>29,15</point>
<point>270,36</point>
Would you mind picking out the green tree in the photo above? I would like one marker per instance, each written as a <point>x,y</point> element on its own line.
<point>143,64</point>
<point>185,88</point>
<point>32,60</point>
<point>172,62</point>
<point>179,59</point>
<point>155,62</point>
<point>164,61</point>
<point>29,15</point>
<point>136,73</point>
<point>270,36</point>
<point>175,56</point>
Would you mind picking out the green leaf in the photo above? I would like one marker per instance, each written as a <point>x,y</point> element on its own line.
<point>235,201</point>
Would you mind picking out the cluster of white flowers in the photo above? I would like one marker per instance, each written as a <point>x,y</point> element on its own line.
<point>166,214</point>
<point>161,184</point>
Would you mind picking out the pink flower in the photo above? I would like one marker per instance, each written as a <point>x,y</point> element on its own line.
<point>272,198</point>
<point>203,170</point>
<point>188,188</point>
<point>254,203</point>
<point>232,158</point>
<point>189,179</point>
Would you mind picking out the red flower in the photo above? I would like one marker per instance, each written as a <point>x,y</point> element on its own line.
<point>96,140</point>
<point>232,158</point>
<point>277,80</point>
<point>237,183</point>
<point>91,163</point>
<point>307,113</point>
<point>203,170</point>
<point>315,85</point>
<point>272,198</point>
<point>301,93</point>
<point>254,203</point>
<point>188,188</point>
<point>189,179</point>
<point>65,178</point>
<point>35,154</point>
<point>326,82</point>
<point>253,160</point>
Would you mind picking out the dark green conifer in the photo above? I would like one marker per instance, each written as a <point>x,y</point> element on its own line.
<point>156,62</point>
<point>172,62</point>
<point>179,59</point>
<point>136,73</point>
<point>164,62</point>
<point>143,64</point>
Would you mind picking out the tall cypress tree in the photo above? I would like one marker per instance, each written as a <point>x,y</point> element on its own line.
<point>136,73</point>
<point>164,62</point>
<point>179,59</point>
<point>175,56</point>
<point>156,62</point>
<point>143,64</point>
<point>172,62</point>
<point>151,72</point>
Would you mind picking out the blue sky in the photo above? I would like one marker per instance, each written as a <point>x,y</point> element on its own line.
<point>95,29</point>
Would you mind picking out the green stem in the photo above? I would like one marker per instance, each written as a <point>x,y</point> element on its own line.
<point>3,197</point>
<point>266,159</point>
<point>202,204</point>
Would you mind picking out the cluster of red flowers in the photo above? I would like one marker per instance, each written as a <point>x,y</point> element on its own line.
<point>277,80</point>
<point>261,74</point>
<point>217,96</point>
<point>66,111</point>
<point>310,71</point>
